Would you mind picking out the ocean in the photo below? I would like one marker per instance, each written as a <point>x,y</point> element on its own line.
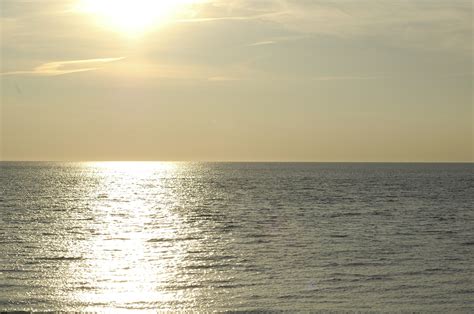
<point>118,236</point>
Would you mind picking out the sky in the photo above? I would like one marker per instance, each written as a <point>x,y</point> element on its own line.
<point>237,80</point>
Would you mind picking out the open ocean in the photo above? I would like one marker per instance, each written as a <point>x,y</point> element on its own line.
<point>236,236</point>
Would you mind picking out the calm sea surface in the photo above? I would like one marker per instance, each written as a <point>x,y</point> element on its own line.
<point>236,236</point>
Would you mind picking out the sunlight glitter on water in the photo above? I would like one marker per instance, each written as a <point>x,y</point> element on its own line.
<point>130,263</point>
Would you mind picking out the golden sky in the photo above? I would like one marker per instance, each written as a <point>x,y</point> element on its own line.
<point>267,80</point>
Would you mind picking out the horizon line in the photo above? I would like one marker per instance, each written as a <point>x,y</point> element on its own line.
<point>251,161</point>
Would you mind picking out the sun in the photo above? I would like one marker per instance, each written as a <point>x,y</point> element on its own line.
<point>134,16</point>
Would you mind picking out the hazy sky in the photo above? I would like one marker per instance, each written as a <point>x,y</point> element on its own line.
<point>279,80</point>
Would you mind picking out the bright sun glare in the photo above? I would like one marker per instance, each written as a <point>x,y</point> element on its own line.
<point>134,16</point>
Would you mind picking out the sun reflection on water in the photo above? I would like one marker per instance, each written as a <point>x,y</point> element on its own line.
<point>133,255</point>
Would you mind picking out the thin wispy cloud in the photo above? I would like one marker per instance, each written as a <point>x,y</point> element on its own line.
<point>263,43</point>
<point>279,39</point>
<point>425,25</point>
<point>64,67</point>
<point>230,18</point>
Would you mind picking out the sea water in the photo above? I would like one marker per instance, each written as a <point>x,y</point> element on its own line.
<point>236,236</point>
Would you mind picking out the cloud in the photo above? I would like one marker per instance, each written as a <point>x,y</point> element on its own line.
<point>229,18</point>
<point>439,25</point>
<point>64,67</point>
<point>211,19</point>
<point>280,39</point>
<point>263,43</point>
